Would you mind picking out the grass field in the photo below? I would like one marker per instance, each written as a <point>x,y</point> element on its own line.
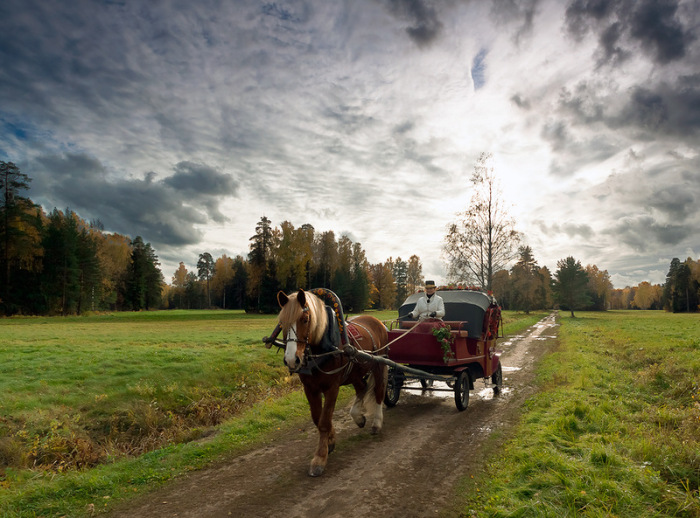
<point>99,408</point>
<point>614,429</point>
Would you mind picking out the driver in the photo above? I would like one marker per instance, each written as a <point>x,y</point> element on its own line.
<point>429,306</point>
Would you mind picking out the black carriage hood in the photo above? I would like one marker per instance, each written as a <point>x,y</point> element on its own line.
<point>460,305</point>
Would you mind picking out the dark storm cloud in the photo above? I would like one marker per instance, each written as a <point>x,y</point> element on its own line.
<point>643,233</point>
<point>663,109</point>
<point>656,25</point>
<point>164,212</point>
<point>50,50</point>
<point>200,179</point>
<point>646,112</point>
<point>425,27</point>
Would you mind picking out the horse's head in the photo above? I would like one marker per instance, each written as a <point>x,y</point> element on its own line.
<point>303,321</point>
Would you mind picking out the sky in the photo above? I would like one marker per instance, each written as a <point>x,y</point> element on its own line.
<point>186,122</point>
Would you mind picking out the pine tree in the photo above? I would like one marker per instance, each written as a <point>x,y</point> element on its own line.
<point>14,216</point>
<point>570,285</point>
<point>144,278</point>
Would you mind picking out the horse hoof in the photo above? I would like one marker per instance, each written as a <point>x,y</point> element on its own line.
<point>361,422</point>
<point>375,430</point>
<point>316,471</point>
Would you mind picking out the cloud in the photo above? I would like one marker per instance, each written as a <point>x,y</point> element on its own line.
<point>426,26</point>
<point>520,101</point>
<point>186,125</point>
<point>200,179</point>
<point>516,11</point>
<point>570,229</point>
<point>654,24</point>
<point>643,233</point>
<point>167,212</point>
<point>644,111</point>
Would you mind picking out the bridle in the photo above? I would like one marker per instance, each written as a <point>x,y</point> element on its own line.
<point>305,317</point>
<point>310,359</point>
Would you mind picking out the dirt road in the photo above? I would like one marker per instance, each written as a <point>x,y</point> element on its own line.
<point>409,469</point>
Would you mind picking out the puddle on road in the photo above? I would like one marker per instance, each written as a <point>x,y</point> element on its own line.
<point>441,390</point>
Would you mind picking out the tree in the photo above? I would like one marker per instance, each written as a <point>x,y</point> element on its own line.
<point>502,288</point>
<point>205,270</point>
<point>360,278</point>
<point>61,273</point>
<point>144,278</point>
<point>570,285</point>
<point>222,278</point>
<point>179,282</point>
<point>599,287</point>
<point>414,274</point>
<point>239,289</point>
<point>484,239</point>
<point>12,212</point>
<point>342,277</point>
<point>544,291</point>
<point>647,295</point>
<point>526,281</point>
<point>89,271</point>
<point>114,254</point>
<point>384,292</point>
<point>681,288</point>
<point>261,259</point>
<point>326,254</point>
<point>400,272</point>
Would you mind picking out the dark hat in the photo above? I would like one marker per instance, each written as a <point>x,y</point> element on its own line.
<point>429,284</point>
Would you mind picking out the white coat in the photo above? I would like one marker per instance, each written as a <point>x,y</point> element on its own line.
<point>425,307</point>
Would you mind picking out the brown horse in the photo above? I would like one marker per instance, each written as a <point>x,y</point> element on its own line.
<point>304,321</point>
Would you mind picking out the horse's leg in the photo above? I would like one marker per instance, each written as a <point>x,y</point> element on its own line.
<point>375,397</point>
<point>326,433</point>
<point>313,396</point>
<point>357,412</point>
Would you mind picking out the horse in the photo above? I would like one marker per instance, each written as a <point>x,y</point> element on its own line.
<point>304,321</point>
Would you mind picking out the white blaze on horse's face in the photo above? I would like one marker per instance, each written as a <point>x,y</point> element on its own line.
<point>290,352</point>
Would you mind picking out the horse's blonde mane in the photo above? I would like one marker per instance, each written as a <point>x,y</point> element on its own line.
<point>318,319</point>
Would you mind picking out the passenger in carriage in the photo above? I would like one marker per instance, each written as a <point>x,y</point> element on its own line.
<point>429,306</point>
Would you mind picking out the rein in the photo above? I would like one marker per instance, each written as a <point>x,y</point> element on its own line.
<point>397,338</point>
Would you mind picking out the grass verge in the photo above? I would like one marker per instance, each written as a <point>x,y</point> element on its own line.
<point>614,429</point>
<point>98,409</point>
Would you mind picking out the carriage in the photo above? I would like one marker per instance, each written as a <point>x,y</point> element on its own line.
<point>456,350</point>
<point>326,351</point>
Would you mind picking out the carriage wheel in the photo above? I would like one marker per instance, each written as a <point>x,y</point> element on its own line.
<point>426,384</point>
<point>462,390</point>
<point>497,379</point>
<point>393,388</point>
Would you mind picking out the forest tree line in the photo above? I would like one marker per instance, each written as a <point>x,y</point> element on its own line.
<point>58,263</point>
<point>287,258</point>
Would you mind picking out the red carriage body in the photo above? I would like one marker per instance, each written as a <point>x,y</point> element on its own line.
<point>474,320</point>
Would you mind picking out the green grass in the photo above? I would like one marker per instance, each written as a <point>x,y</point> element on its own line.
<point>84,391</point>
<point>97,409</point>
<point>614,429</point>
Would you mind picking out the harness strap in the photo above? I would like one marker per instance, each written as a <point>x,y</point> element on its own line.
<point>374,343</point>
